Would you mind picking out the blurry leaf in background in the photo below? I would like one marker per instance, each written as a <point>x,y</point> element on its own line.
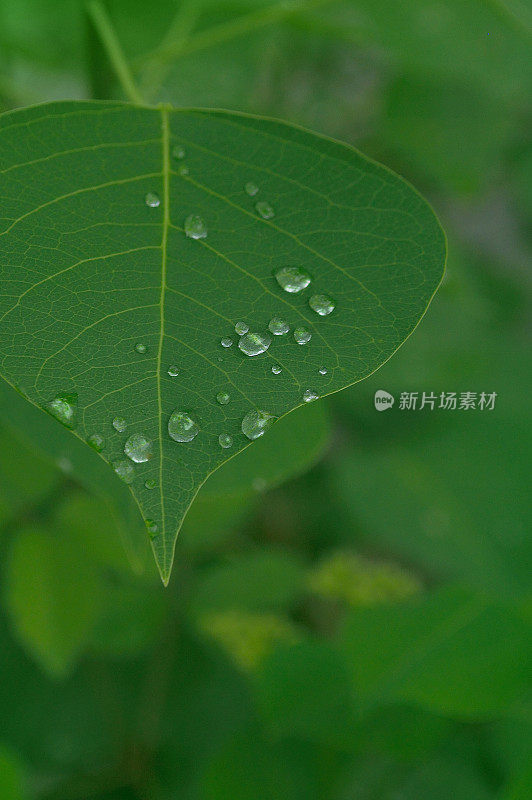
<point>52,600</point>
<point>11,776</point>
<point>441,653</point>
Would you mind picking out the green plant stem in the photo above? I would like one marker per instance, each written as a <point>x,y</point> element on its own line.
<point>104,27</point>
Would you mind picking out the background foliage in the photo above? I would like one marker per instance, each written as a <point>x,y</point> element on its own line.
<point>348,618</point>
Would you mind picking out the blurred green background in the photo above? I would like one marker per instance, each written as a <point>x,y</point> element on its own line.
<point>349,616</point>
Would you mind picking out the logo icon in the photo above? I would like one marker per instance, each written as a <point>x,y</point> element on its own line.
<point>383,400</point>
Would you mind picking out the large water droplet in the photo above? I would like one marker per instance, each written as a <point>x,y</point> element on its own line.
<point>255,423</point>
<point>251,188</point>
<point>253,344</point>
<point>309,395</point>
<point>278,326</point>
<point>150,483</point>
<point>292,279</point>
<point>119,424</point>
<point>178,152</point>
<point>152,527</point>
<point>173,371</point>
<point>138,448</point>
<point>152,200</point>
<point>264,209</point>
<point>241,328</point>
<point>225,440</point>
<point>302,336</point>
<point>182,427</point>
<point>96,441</point>
<point>223,398</point>
<point>125,470</point>
<point>64,407</point>
<point>321,304</point>
<point>140,347</point>
<point>227,342</point>
<point>323,370</point>
<point>195,227</point>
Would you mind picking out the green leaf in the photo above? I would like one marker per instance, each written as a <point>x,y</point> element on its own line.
<point>90,270</point>
<point>10,776</point>
<point>52,595</point>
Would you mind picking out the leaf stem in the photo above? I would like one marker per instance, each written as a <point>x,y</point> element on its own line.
<point>104,27</point>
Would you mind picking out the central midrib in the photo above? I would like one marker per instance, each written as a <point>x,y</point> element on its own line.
<point>166,223</point>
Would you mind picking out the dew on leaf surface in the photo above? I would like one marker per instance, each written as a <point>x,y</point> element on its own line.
<point>253,344</point>
<point>251,188</point>
<point>152,527</point>
<point>182,427</point>
<point>125,470</point>
<point>96,441</point>
<point>302,335</point>
<point>278,326</point>
<point>119,424</point>
<point>152,200</point>
<point>178,152</point>
<point>322,304</point>
<point>264,209</point>
<point>255,423</point>
<point>227,342</point>
<point>223,398</point>
<point>309,395</point>
<point>150,483</point>
<point>140,347</point>
<point>241,328</point>
<point>64,408</point>
<point>182,169</point>
<point>292,279</point>
<point>225,440</point>
<point>138,448</point>
<point>195,227</point>
<point>276,369</point>
<point>173,371</point>
<point>323,370</point>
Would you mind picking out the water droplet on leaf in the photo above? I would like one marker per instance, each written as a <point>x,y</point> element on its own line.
<point>292,279</point>
<point>96,441</point>
<point>302,336</point>
<point>150,483</point>
<point>64,407</point>
<point>253,344</point>
<point>119,424</point>
<point>251,188</point>
<point>223,398</point>
<point>152,200</point>
<point>173,371</point>
<point>138,448</point>
<point>182,427</point>
<point>276,369</point>
<point>241,328</point>
<point>227,342</point>
<point>321,304</point>
<point>278,326</point>
<point>125,470</point>
<point>323,370</point>
<point>182,169</point>
<point>264,209</point>
<point>178,152</point>
<point>152,527</point>
<point>140,347</point>
<point>195,227</point>
<point>309,395</point>
<point>225,440</point>
<point>255,423</point>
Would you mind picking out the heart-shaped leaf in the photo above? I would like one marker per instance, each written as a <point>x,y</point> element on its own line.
<point>134,239</point>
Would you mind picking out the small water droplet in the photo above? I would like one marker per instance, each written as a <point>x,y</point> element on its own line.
<point>321,304</point>
<point>251,188</point>
<point>178,152</point>
<point>150,483</point>
<point>125,470</point>
<point>241,328</point>
<point>309,395</point>
<point>255,423</point>
<point>223,398</point>
<point>119,424</point>
<point>182,169</point>
<point>264,209</point>
<point>65,464</point>
<point>195,227</point>
<point>302,336</point>
<point>138,448</point>
<point>276,369</point>
<point>225,440</point>
<point>292,279</point>
<point>152,527</point>
<point>173,371</point>
<point>96,441</point>
<point>323,370</point>
<point>278,326</point>
<point>64,408</point>
<point>140,347</point>
<point>227,342</point>
<point>152,200</point>
<point>182,427</point>
<point>259,484</point>
<point>253,344</point>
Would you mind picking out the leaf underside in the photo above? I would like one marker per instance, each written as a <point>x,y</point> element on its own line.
<point>89,270</point>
